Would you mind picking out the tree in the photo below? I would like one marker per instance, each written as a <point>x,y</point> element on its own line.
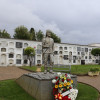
<point>30,52</point>
<point>55,38</point>
<point>32,34</point>
<point>39,35</point>
<point>4,34</point>
<point>96,52</point>
<point>21,32</point>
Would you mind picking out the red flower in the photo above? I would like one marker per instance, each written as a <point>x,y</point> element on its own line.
<point>68,79</point>
<point>62,80</point>
<point>66,75</point>
<point>55,91</point>
<point>65,98</point>
<point>64,90</point>
<point>56,77</point>
<point>57,82</point>
<point>70,87</point>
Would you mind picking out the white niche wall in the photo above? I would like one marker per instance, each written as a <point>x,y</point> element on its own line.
<point>18,56</point>
<point>11,50</point>
<point>11,44</point>
<point>4,44</point>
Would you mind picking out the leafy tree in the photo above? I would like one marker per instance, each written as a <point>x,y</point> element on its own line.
<point>4,34</point>
<point>32,34</point>
<point>21,32</point>
<point>56,38</point>
<point>39,35</point>
<point>30,52</point>
<point>96,52</point>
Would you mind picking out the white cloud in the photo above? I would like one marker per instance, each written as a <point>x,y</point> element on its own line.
<point>75,21</point>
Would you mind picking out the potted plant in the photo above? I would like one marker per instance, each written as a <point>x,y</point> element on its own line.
<point>93,71</point>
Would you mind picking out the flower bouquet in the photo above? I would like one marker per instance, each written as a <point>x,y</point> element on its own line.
<point>63,87</point>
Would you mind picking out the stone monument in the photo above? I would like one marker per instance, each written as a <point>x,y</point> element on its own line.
<point>47,51</point>
<point>39,85</point>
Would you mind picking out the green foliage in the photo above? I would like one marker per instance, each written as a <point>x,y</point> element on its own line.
<point>94,70</point>
<point>21,32</point>
<point>95,52</point>
<point>29,51</point>
<point>55,38</point>
<point>10,90</point>
<point>4,34</point>
<point>32,34</point>
<point>39,35</point>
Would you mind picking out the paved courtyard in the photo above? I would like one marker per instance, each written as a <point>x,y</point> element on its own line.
<point>11,72</point>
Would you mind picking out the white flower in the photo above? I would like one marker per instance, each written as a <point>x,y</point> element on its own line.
<point>65,81</point>
<point>54,81</point>
<point>68,75</point>
<point>58,73</point>
<point>73,94</point>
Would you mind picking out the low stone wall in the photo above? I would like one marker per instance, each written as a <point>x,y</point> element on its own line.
<point>39,85</point>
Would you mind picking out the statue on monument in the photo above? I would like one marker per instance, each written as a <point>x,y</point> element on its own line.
<point>47,51</point>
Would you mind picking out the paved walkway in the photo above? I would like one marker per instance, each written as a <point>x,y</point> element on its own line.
<point>93,81</point>
<point>11,72</point>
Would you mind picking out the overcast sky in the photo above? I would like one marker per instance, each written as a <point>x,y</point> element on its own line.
<point>74,21</point>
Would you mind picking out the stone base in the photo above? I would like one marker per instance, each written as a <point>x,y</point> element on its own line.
<point>39,85</point>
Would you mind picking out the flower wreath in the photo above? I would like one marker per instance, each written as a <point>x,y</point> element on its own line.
<point>63,88</point>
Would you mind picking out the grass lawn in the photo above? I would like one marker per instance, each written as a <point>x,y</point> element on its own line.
<point>9,90</point>
<point>75,69</point>
<point>82,69</point>
<point>87,92</point>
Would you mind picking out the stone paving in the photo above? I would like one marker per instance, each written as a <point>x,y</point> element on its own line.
<point>11,72</point>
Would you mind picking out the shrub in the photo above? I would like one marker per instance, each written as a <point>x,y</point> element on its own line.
<point>94,70</point>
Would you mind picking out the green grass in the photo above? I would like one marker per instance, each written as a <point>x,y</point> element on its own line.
<point>82,69</point>
<point>75,69</point>
<point>87,92</point>
<point>10,90</point>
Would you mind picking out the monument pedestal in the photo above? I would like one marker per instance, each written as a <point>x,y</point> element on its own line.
<point>39,85</point>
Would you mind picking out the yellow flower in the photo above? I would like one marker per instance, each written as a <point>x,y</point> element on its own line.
<point>65,84</point>
<point>60,85</point>
<point>71,81</point>
<point>56,86</point>
<point>67,87</point>
<point>64,78</point>
<point>68,83</point>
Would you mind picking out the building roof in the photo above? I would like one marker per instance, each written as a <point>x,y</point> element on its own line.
<point>56,43</point>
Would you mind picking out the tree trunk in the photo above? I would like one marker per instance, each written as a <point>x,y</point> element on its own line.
<point>30,64</point>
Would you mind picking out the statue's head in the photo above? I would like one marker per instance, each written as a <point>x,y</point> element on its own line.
<point>48,33</point>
